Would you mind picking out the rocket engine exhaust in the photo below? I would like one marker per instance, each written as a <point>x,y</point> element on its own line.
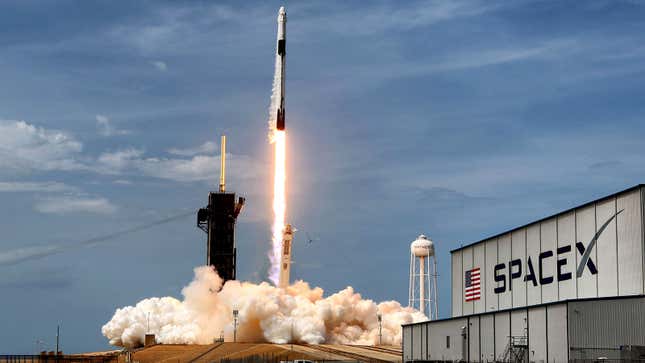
<point>277,136</point>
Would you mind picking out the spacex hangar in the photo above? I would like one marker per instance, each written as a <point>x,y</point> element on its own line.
<point>569,287</point>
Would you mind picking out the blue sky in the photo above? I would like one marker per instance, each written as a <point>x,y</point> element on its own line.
<point>454,119</point>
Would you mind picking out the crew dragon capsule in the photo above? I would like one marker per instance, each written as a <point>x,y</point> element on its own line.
<point>281,52</point>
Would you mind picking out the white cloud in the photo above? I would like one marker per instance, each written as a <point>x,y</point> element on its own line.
<point>106,128</point>
<point>27,147</point>
<point>208,147</point>
<point>49,187</point>
<point>75,204</point>
<point>116,162</point>
<point>159,65</point>
<point>196,168</point>
<point>393,16</point>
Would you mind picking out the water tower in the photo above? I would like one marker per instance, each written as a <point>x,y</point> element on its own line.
<point>423,277</point>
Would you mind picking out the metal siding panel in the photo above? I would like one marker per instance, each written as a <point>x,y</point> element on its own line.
<point>502,331</point>
<point>407,342</point>
<point>566,237</point>
<point>487,347</point>
<point>491,261</point>
<point>457,283</point>
<point>439,330</point>
<point>548,241</point>
<point>537,334</point>
<point>643,233</point>
<point>557,332</point>
<point>467,258</point>
<point>533,293</point>
<point>518,323</point>
<point>630,258</point>
<point>518,250</point>
<point>419,342</point>
<point>478,261</point>
<point>504,256</point>
<point>473,339</point>
<point>585,231</point>
<point>606,323</point>
<point>607,260</point>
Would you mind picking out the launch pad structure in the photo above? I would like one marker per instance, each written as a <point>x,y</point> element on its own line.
<point>218,219</point>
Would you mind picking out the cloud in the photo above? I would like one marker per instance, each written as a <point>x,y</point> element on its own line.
<point>106,129</point>
<point>49,187</point>
<point>118,161</point>
<point>208,147</point>
<point>196,168</point>
<point>27,147</point>
<point>392,16</point>
<point>159,65</point>
<point>75,204</point>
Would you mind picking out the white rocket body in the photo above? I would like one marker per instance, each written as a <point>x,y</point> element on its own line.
<point>285,260</point>
<point>281,50</point>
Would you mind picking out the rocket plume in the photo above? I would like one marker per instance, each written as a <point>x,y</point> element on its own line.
<point>296,314</point>
<point>277,136</point>
<point>279,204</point>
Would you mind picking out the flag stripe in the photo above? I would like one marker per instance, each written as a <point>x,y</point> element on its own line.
<point>472,284</point>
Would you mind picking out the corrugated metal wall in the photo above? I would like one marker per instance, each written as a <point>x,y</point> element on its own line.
<point>488,336</point>
<point>606,323</point>
<point>617,255</point>
<point>557,332</point>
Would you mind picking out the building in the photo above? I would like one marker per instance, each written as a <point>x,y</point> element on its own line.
<point>563,288</point>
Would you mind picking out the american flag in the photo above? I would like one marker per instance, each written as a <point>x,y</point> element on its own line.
<point>472,286</point>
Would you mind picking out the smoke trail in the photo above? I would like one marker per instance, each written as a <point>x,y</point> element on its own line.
<point>278,139</point>
<point>18,255</point>
<point>297,314</point>
<point>275,97</point>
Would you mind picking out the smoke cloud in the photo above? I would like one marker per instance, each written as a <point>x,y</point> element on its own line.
<point>297,314</point>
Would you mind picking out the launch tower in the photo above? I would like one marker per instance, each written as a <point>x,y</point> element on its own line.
<point>218,221</point>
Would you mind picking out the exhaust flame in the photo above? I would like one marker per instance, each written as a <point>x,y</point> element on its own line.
<point>279,204</point>
<point>278,139</point>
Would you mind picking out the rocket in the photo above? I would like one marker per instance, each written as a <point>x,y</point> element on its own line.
<point>281,53</point>
<point>285,260</point>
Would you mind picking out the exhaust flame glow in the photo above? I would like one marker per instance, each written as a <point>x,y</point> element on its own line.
<point>279,204</point>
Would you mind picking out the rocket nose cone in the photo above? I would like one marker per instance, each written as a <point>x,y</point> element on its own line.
<point>282,11</point>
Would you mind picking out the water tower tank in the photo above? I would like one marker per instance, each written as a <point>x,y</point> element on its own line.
<point>422,247</point>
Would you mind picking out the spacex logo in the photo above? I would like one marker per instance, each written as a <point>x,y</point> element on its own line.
<point>514,268</point>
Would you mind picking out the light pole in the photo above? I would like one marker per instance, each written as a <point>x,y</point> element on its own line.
<point>379,317</point>
<point>57,339</point>
<point>235,314</point>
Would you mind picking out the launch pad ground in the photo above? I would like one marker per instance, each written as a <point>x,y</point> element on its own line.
<point>250,352</point>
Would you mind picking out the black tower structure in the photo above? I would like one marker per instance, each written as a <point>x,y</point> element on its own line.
<point>218,219</point>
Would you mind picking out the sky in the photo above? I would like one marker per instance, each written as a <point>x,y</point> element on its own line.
<point>455,119</point>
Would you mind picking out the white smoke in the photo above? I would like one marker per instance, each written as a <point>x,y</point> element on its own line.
<point>297,314</point>
<point>275,95</point>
